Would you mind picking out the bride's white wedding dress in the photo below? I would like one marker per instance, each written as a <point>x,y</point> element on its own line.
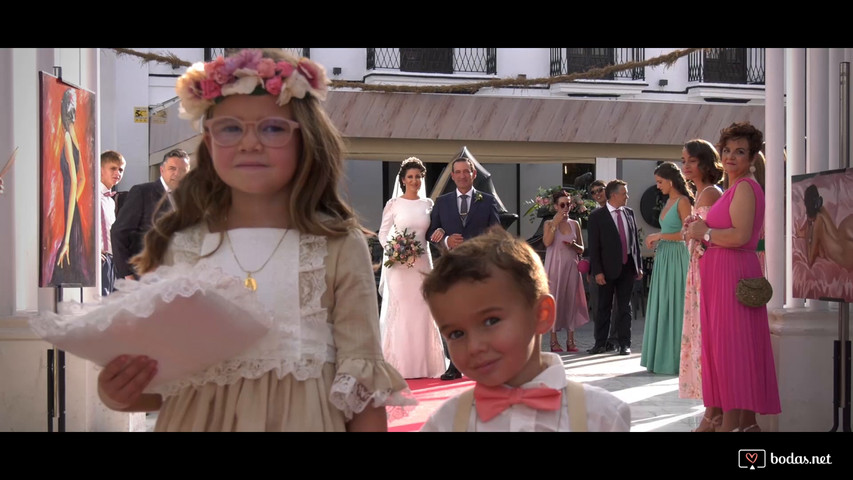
<point>410,340</point>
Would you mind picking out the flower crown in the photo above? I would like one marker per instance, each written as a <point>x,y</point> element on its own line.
<point>247,73</point>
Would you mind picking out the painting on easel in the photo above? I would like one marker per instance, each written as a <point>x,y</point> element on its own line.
<point>822,246</point>
<point>67,199</point>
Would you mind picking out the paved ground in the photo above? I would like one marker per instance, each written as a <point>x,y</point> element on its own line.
<point>654,401</point>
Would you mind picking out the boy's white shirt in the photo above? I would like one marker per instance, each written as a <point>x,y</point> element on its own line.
<point>605,412</point>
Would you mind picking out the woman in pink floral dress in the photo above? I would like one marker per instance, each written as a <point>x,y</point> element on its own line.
<point>701,166</point>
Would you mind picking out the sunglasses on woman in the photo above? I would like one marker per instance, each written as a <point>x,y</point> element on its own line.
<point>563,204</point>
<point>274,132</point>
<point>596,191</point>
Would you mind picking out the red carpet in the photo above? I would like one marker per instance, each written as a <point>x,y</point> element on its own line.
<point>430,393</point>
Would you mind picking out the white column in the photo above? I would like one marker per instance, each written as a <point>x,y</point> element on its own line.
<point>817,124</point>
<point>795,142</point>
<point>835,57</point>
<point>817,121</point>
<point>800,336</point>
<point>774,138</point>
<point>7,199</point>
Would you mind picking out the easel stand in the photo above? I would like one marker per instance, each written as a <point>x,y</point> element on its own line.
<point>56,375</point>
<point>841,370</point>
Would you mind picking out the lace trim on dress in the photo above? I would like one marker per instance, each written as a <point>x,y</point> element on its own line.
<point>299,344</point>
<point>360,383</point>
<point>141,298</point>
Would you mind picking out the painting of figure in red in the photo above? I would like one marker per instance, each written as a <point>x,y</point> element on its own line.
<point>68,208</point>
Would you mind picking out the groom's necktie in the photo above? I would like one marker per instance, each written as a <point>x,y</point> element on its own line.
<point>463,209</point>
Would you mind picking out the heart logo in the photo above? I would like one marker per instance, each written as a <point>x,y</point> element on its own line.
<point>752,457</point>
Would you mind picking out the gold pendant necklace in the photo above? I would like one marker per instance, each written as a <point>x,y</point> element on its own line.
<point>250,281</point>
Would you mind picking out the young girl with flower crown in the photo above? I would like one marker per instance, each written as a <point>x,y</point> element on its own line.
<point>262,204</point>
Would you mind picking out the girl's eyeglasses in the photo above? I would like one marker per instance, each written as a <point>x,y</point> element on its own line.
<point>596,191</point>
<point>274,132</point>
<point>563,205</point>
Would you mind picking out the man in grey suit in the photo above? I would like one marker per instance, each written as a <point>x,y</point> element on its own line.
<point>459,215</point>
<point>144,204</point>
<point>615,263</point>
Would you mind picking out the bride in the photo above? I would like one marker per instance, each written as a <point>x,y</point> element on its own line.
<point>410,339</point>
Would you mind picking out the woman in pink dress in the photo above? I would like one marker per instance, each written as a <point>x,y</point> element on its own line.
<point>738,371</point>
<point>701,167</point>
<point>563,247</point>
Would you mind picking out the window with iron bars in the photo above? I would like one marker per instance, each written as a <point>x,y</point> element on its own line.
<point>212,53</point>
<point>565,61</point>
<point>740,66</point>
<point>434,60</point>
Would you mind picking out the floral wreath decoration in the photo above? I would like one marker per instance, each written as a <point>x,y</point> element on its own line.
<point>542,206</point>
<point>247,73</point>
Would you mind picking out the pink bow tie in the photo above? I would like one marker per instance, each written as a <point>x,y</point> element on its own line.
<point>491,401</point>
<point>110,193</point>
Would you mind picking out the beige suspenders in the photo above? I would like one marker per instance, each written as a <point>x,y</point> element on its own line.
<point>576,405</point>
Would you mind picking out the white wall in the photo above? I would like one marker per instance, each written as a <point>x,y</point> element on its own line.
<point>352,62</point>
<point>533,62</point>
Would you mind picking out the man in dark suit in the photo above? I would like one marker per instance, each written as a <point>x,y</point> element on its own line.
<point>141,208</point>
<point>615,262</point>
<point>460,215</point>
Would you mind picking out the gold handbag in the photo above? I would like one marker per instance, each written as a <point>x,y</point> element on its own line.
<point>754,292</point>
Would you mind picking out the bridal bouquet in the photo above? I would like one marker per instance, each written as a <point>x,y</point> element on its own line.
<point>403,249</point>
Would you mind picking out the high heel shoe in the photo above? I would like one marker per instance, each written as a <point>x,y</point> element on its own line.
<point>711,426</point>
<point>570,343</point>
<point>555,344</point>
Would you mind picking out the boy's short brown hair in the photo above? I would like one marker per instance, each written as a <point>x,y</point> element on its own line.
<point>111,156</point>
<point>474,259</point>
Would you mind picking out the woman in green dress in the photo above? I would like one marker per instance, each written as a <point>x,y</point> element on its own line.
<point>665,309</point>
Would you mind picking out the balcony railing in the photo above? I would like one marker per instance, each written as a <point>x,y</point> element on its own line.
<point>565,61</point>
<point>211,53</point>
<point>434,60</point>
<point>743,66</point>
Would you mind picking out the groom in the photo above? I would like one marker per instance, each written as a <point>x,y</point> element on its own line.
<point>458,216</point>
<point>614,257</point>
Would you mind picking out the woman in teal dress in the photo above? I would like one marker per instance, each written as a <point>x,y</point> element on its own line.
<point>665,309</point>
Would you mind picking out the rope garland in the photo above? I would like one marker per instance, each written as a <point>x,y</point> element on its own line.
<point>666,59</point>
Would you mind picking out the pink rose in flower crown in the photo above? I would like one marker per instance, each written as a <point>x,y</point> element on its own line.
<point>266,68</point>
<point>285,69</point>
<point>217,71</point>
<point>273,85</point>
<point>210,89</point>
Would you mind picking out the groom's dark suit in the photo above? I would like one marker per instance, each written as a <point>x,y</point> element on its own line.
<point>605,256</point>
<point>482,213</point>
<point>134,219</point>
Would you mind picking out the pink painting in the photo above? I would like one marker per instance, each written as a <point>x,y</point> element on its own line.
<point>822,223</point>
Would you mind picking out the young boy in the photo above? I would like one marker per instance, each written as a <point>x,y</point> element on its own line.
<point>112,169</point>
<point>490,300</point>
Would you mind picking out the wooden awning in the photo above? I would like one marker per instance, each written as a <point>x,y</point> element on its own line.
<point>384,126</point>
